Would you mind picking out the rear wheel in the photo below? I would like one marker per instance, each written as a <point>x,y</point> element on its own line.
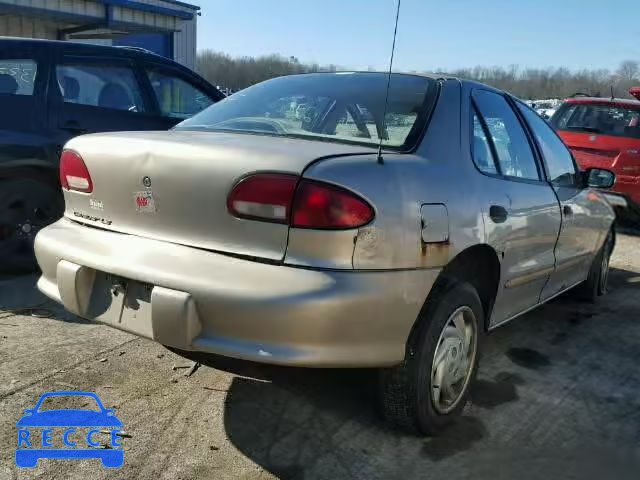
<point>26,206</point>
<point>597,281</point>
<point>430,388</point>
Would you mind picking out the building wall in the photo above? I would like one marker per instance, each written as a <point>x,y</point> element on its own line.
<point>17,26</point>
<point>39,26</point>
<point>184,43</point>
<point>83,7</point>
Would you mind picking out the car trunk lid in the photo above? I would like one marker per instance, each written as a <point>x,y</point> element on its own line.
<point>173,186</point>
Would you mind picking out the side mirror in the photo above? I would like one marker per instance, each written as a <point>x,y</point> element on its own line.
<point>599,178</point>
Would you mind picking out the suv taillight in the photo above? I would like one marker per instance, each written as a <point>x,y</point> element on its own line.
<point>74,174</point>
<point>301,203</point>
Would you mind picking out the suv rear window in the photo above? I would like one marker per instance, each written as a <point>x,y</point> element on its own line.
<point>17,76</point>
<point>615,120</point>
<point>339,107</point>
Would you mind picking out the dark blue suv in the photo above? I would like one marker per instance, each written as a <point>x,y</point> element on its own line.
<point>51,91</point>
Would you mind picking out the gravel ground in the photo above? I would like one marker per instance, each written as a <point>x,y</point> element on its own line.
<point>557,397</point>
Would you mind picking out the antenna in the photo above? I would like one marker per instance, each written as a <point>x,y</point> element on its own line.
<point>612,93</point>
<point>386,96</point>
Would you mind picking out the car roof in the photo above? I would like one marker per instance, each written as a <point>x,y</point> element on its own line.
<point>618,102</point>
<point>133,53</point>
<point>374,72</point>
<point>88,48</point>
<point>433,76</point>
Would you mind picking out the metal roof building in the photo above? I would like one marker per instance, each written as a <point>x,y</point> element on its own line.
<point>166,27</point>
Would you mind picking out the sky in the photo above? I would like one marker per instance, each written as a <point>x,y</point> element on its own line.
<point>432,35</point>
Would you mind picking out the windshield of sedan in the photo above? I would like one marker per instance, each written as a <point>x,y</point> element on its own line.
<point>602,119</point>
<point>340,107</point>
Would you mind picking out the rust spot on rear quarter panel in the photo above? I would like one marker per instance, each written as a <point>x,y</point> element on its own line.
<point>435,254</point>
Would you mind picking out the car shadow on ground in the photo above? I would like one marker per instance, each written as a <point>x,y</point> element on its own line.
<point>320,423</point>
<point>307,423</point>
<point>20,296</point>
<point>621,279</point>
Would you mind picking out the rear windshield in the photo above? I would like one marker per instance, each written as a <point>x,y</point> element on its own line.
<point>612,120</point>
<point>338,107</point>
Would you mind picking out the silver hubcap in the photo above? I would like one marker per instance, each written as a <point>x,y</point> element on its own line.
<point>454,360</point>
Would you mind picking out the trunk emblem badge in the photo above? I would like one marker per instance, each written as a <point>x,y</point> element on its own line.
<point>593,138</point>
<point>146,181</point>
<point>144,202</point>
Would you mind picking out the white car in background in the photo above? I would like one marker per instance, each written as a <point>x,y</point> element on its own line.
<point>545,108</point>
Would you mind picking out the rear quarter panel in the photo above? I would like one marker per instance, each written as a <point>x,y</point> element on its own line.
<point>401,184</point>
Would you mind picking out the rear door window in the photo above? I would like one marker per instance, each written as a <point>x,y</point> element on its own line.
<point>109,86</point>
<point>176,96</point>
<point>17,76</point>
<point>514,155</point>
<point>560,165</point>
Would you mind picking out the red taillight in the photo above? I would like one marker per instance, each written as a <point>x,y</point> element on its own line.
<point>323,206</point>
<point>73,173</point>
<point>301,203</point>
<point>265,196</point>
<point>635,91</point>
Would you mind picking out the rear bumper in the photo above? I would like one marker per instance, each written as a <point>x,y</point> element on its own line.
<point>205,301</point>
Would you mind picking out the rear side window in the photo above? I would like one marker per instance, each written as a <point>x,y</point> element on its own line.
<point>515,157</point>
<point>17,76</point>
<point>558,159</point>
<point>110,86</point>
<point>176,97</point>
<point>481,148</point>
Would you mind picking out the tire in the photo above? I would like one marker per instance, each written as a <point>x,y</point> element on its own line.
<point>408,395</point>
<point>27,204</point>
<point>597,281</point>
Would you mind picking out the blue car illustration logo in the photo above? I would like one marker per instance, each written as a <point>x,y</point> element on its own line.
<point>31,447</point>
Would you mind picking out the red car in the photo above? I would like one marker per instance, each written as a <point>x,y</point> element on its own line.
<point>605,133</point>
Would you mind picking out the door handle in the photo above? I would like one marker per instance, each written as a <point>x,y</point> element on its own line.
<point>73,127</point>
<point>498,213</point>
<point>567,210</point>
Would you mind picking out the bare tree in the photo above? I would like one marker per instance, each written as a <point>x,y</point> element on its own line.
<point>236,73</point>
<point>529,83</point>
<point>629,70</point>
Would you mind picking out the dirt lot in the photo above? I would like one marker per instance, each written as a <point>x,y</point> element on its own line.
<point>558,396</point>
